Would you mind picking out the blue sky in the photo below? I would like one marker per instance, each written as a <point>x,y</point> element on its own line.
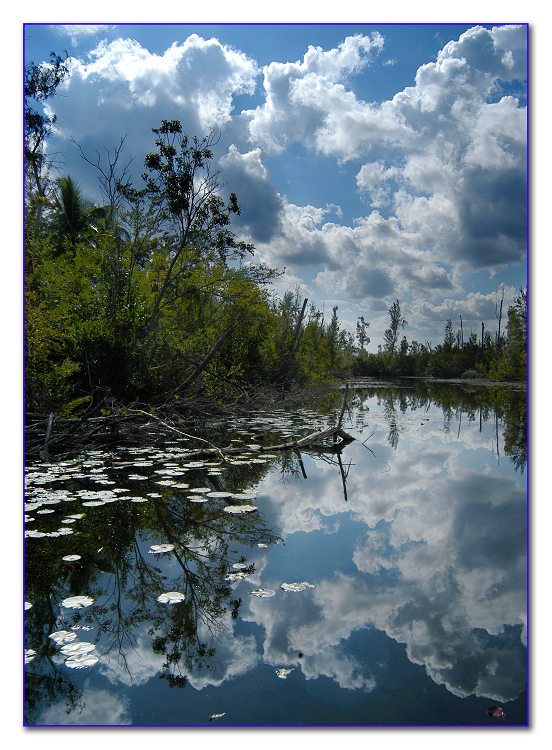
<point>372,162</point>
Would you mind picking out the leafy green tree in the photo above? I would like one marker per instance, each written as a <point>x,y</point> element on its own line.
<point>181,181</point>
<point>396,322</point>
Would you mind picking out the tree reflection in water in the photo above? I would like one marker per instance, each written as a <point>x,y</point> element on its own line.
<point>124,583</point>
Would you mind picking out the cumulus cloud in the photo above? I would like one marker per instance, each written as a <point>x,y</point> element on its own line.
<point>123,88</point>
<point>473,308</point>
<point>454,166</point>
<point>290,111</point>
<point>261,206</point>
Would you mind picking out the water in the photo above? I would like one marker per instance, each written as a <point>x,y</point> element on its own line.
<point>410,547</point>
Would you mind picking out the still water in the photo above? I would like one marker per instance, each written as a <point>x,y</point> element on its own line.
<point>383,585</point>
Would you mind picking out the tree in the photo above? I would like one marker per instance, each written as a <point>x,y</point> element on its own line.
<point>41,83</point>
<point>450,338</point>
<point>180,179</point>
<point>362,332</point>
<point>397,321</point>
<point>71,213</point>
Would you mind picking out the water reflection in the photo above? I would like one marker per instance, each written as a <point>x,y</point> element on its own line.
<point>415,533</point>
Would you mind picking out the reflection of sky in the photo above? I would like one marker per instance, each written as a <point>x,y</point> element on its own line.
<point>425,559</point>
<point>437,540</point>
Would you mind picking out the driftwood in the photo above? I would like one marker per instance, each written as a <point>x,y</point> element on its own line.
<point>315,442</point>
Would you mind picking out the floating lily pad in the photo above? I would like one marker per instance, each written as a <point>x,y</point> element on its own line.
<point>262,593</point>
<point>220,494</point>
<point>158,549</point>
<point>77,602</point>
<point>240,566</point>
<point>236,509</point>
<point>283,672</point>
<point>61,637</point>
<point>296,586</point>
<point>28,605</point>
<point>197,499</point>
<point>216,716</point>
<point>81,661</point>
<point>171,597</point>
<point>236,577</point>
<point>262,545</point>
<point>71,558</point>
<point>79,647</point>
<point>30,654</point>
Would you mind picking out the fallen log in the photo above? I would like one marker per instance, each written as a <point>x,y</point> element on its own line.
<point>314,442</point>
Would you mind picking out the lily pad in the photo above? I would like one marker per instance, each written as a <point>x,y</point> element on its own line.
<point>63,636</point>
<point>283,672</point>
<point>262,593</point>
<point>28,605</point>
<point>296,586</point>
<point>216,716</point>
<point>158,549</point>
<point>71,558</point>
<point>171,597</point>
<point>197,499</point>
<point>80,647</point>
<point>81,661</point>
<point>236,509</point>
<point>77,602</point>
<point>30,654</point>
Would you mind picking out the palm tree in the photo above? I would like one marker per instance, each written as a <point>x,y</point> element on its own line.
<point>72,213</point>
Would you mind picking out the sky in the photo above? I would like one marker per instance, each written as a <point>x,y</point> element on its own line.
<point>372,162</point>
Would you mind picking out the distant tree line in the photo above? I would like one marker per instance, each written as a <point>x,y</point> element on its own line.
<point>498,356</point>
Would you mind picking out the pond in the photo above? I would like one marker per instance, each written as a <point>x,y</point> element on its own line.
<point>381,585</point>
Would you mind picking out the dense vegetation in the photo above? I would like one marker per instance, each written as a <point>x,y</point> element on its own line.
<point>151,297</point>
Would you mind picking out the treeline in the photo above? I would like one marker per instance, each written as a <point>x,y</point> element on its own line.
<point>499,356</point>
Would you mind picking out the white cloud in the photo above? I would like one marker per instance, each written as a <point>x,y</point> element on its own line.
<point>123,88</point>
<point>291,110</point>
